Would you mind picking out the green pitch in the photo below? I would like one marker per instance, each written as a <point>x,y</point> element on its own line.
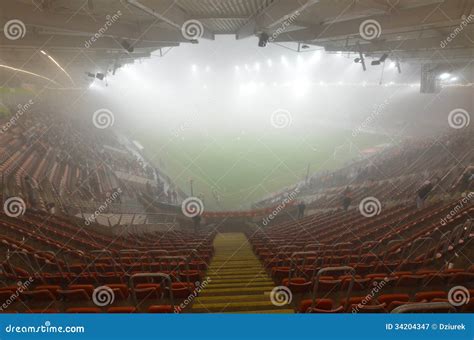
<point>231,171</point>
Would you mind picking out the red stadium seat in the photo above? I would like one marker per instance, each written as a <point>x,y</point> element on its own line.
<point>122,310</point>
<point>428,296</point>
<point>83,310</point>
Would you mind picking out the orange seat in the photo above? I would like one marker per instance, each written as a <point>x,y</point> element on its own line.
<point>369,308</point>
<point>160,309</point>
<point>354,300</point>
<point>80,310</point>
<point>6,295</point>
<point>461,278</point>
<point>298,285</point>
<point>39,295</point>
<point>123,310</point>
<point>428,296</point>
<point>359,284</point>
<point>328,285</point>
<point>89,289</point>
<point>182,289</point>
<point>319,304</point>
<point>395,304</point>
<point>120,290</point>
<point>42,311</point>
<point>410,280</point>
<point>389,298</point>
<point>74,295</point>
<point>52,288</point>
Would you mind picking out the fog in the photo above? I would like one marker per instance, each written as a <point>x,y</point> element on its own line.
<point>214,95</point>
<point>228,85</point>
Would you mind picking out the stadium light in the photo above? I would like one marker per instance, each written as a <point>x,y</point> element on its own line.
<point>444,76</point>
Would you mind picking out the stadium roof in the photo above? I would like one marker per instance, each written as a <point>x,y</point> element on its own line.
<point>132,29</point>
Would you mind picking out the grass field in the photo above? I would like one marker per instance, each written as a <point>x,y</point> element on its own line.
<point>241,168</point>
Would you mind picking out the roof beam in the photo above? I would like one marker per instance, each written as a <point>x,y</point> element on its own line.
<point>273,15</point>
<point>83,25</point>
<point>48,41</point>
<point>169,12</point>
<point>404,19</point>
<point>399,45</point>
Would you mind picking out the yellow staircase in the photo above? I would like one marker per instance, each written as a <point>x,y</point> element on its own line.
<point>238,282</point>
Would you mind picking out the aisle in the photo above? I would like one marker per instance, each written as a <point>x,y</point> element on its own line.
<point>238,281</point>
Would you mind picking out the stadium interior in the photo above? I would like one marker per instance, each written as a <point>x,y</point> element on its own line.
<point>236,156</point>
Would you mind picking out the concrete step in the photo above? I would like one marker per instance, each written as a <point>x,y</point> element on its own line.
<point>221,307</point>
<point>213,285</point>
<point>224,271</point>
<point>264,311</point>
<point>233,298</point>
<point>216,277</point>
<point>242,280</point>
<point>235,291</point>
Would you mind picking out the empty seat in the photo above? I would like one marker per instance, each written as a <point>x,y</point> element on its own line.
<point>318,303</point>
<point>80,310</point>
<point>39,295</point>
<point>428,296</point>
<point>389,298</point>
<point>369,308</point>
<point>298,285</point>
<point>123,310</point>
<point>161,309</point>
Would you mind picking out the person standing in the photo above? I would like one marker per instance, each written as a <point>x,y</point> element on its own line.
<point>301,209</point>
<point>197,223</point>
<point>423,192</point>
<point>346,198</point>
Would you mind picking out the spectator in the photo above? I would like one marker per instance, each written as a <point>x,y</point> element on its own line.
<point>346,198</point>
<point>423,192</point>
<point>301,209</point>
<point>197,223</point>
